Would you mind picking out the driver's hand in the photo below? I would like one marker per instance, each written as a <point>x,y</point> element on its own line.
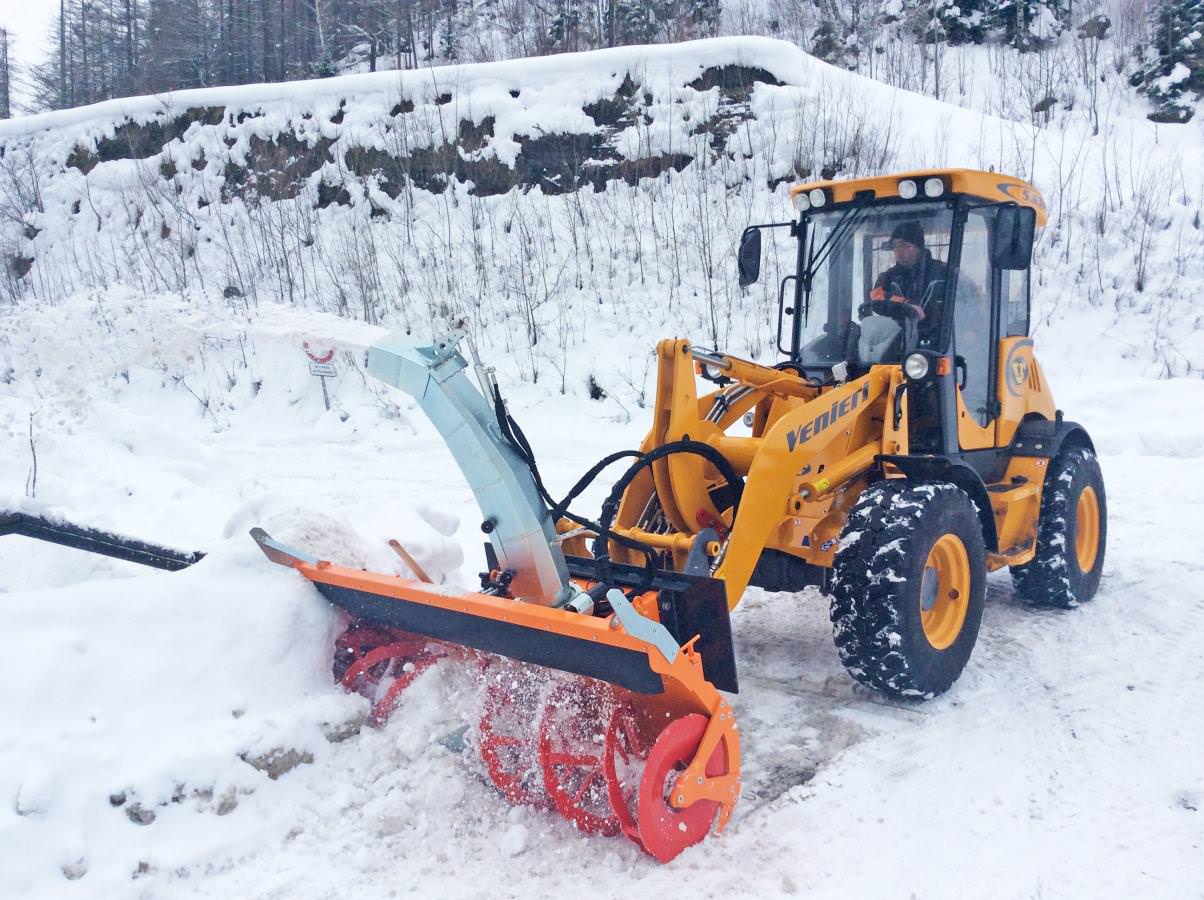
<point>894,305</point>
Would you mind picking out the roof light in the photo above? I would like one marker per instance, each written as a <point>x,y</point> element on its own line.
<point>801,203</point>
<point>817,197</point>
<point>934,187</point>
<point>907,189</point>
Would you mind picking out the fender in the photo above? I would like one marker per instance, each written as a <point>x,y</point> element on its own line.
<point>942,468</point>
<point>1041,437</point>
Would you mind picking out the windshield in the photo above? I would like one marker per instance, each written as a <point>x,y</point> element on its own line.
<point>877,275</point>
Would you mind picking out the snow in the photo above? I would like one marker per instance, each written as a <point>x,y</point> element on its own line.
<point>550,87</point>
<point>1177,75</point>
<point>1064,763</point>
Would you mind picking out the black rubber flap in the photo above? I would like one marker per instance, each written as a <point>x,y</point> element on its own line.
<point>93,540</point>
<point>626,668</point>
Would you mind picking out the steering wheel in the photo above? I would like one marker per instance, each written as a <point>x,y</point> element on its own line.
<point>899,311</point>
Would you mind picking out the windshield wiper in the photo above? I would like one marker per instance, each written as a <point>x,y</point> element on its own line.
<point>852,217</point>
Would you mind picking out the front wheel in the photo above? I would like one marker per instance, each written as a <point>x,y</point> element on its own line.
<point>908,586</point>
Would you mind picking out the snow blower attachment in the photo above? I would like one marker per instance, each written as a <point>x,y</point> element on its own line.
<point>641,742</point>
<point>907,444</point>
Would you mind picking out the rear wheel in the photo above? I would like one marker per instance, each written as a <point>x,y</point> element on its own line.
<point>908,587</point>
<point>1071,534</point>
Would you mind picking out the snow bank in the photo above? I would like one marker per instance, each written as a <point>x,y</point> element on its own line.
<point>531,197</point>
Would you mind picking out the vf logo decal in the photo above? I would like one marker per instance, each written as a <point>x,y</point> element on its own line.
<point>1019,371</point>
<point>1017,368</point>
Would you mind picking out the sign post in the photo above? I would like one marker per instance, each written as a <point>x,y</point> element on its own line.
<point>320,364</point>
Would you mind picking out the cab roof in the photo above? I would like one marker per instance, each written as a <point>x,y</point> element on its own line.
<point>990,186</point>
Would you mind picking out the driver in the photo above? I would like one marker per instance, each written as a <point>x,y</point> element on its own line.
<point>916,281</point>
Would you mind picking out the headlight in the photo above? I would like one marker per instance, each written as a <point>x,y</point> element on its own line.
<point>907,189</point>
<point>801,203</point>
<point>817,197</point>
<point>934,187</point>
<point>916,366</point>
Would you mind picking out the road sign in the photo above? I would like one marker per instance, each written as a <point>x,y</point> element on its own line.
<point>321,366</point>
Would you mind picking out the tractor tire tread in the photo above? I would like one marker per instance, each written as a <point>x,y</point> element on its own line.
<point>1052,579</point>
<point>885,531</point>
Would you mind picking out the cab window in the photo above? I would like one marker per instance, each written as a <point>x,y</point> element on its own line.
<point>1014,308</point>
<point>972,319</point>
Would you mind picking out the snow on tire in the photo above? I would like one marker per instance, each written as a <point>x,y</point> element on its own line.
<point>1071,534</point>
<point>908,587</point>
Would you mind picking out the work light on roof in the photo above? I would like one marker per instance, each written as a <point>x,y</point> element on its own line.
<point>933,187</point>
<point>817,197</point>
<point>907,189</point>
<point>801,203</point>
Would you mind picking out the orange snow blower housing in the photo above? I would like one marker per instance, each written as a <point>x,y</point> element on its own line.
<point>905,444</point>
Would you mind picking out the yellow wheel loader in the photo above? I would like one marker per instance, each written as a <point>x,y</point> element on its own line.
<point>905,444</point>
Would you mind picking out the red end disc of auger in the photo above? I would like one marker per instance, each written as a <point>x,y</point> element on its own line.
<point>665,830</point>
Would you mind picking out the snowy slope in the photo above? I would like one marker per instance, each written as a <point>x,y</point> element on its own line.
<point>1065,763</point>
<point>303,194</point>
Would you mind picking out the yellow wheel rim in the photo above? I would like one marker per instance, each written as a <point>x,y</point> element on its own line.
<point>1086,529</point>
<point>945,591</point>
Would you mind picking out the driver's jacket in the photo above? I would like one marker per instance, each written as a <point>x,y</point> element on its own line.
<point>921,286</point>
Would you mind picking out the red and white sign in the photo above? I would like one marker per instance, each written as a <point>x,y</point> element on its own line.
<point>316,357</point>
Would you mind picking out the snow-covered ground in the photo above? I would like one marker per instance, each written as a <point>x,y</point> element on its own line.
<point>143,713</point>
<point>1065,763</point>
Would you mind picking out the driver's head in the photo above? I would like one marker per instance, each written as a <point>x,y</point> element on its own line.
<point>907,241</point>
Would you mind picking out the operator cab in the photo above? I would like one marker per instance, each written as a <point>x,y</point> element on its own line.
<point>928,270</point>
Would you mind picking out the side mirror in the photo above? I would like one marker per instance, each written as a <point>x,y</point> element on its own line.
<point>748,259</point>
<point>1012,241</point>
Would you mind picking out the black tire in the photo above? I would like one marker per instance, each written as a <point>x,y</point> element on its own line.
<point>1055,577</point>
<point>878,587</point>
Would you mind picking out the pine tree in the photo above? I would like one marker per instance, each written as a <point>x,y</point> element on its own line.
<point>965,21</point>
<point>703,15</point>
<point>564,31</point>
<point>449,37</point>
<point>828,44</point>
<point>630,22</point>
<point>1029,24</point>
<point>1175,63</point>
<point>5,77</point>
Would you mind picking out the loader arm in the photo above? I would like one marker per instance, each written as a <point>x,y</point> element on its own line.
<point>808,446</point>
<point>812,451</point>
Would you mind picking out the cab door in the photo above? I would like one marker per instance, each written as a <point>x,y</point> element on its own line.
<point>973,336</point>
